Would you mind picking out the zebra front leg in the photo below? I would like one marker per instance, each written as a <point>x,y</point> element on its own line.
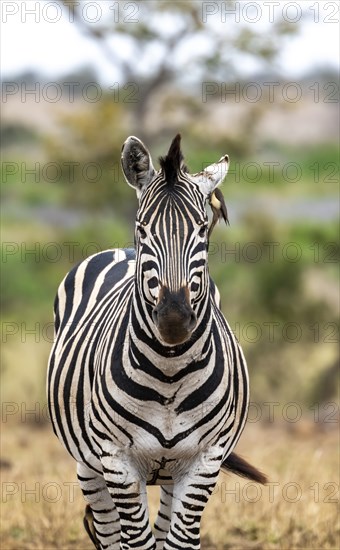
<point>162,523</point>
<point>128,492</point>
<point>101,519</point>
<point>190,496</point>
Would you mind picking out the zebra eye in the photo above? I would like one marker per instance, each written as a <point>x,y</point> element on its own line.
<point>202,231</point>
<point>153,282</point>
<point>141,231</point>
<point>194,287</point>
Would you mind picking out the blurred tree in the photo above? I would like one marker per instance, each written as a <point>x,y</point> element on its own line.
<point>165,55</point>
<point>153,44</point>
<point>87,150</point>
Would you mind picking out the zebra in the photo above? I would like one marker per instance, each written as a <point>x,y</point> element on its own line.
<point>147,384</point>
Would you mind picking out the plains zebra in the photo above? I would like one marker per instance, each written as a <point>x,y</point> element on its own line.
<point>147,383</point>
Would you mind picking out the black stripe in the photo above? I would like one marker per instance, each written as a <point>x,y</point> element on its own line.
<point>200,395</point>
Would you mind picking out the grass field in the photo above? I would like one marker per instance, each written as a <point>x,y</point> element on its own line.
<point>42,506</point>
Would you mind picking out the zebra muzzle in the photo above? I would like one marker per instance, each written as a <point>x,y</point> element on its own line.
<point>173,316</point>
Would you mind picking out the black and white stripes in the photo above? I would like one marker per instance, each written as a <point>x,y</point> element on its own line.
<point>146,383</point>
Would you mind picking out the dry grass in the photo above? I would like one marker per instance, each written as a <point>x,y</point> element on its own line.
<point>42,506</point>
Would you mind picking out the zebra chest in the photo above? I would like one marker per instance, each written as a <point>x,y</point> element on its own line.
<point>159,421</point>
<point>156,416</point>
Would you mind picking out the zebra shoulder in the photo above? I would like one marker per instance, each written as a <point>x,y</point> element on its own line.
<point>107,268</point>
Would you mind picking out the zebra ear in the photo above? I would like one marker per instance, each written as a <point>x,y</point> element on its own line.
<point>137,164</point>
<point>212,176</point>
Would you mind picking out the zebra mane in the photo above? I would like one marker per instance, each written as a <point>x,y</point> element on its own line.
<point>172,163</point>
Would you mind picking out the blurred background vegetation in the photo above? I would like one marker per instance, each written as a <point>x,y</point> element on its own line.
<point>64,197</point>
<point>62,187</point>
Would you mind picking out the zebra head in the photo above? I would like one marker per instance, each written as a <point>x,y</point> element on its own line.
<point>171,237</point>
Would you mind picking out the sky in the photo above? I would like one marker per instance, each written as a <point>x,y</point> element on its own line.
<point>35,37</point>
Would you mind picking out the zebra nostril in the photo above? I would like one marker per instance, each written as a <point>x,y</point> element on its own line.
<point>192,321</point>
<point>155,316</point>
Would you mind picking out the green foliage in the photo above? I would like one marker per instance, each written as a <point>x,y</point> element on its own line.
<point>263,273</point>
<point>13,133</point>
<point>88,152</point>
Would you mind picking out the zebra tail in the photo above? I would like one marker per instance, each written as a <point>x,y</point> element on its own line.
<point>237,465</point>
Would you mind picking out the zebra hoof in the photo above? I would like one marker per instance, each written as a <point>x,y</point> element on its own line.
<point>89,526</point>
